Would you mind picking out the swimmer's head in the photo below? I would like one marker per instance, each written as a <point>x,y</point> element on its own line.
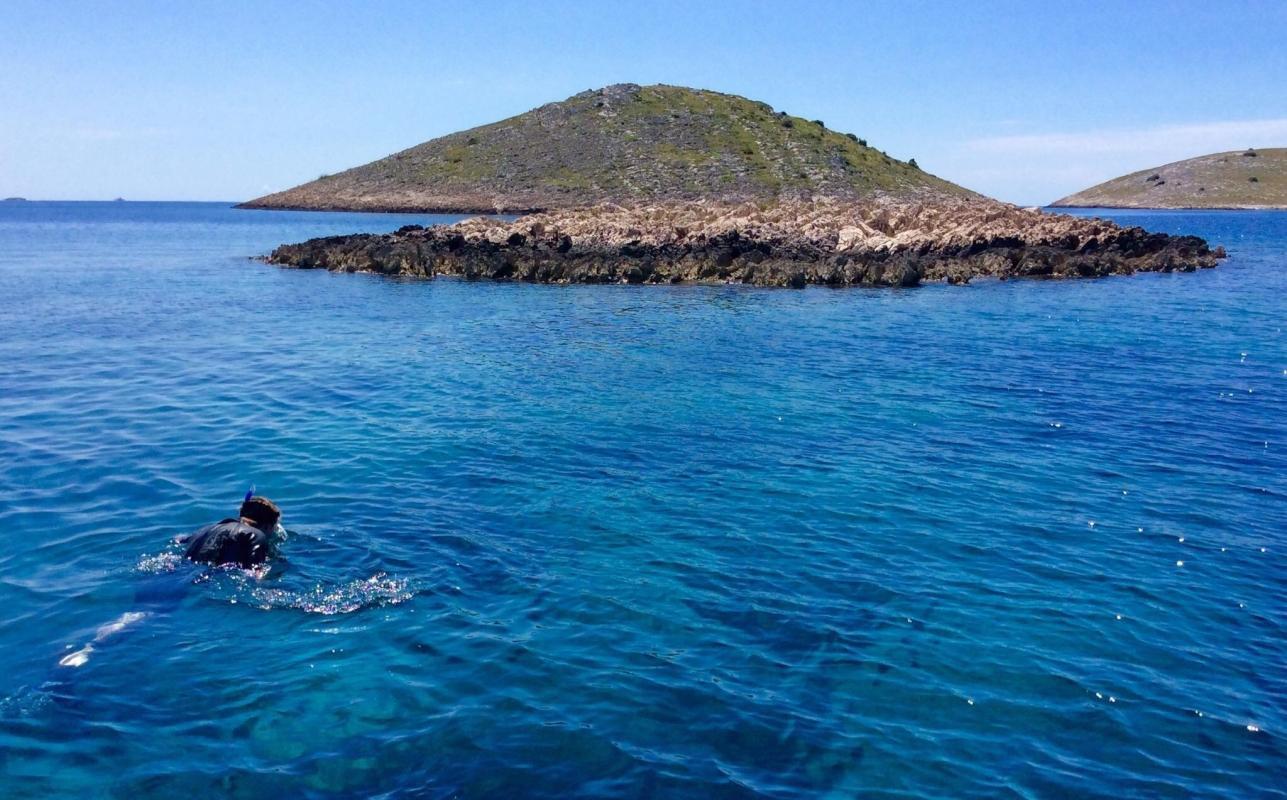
<point>261,512</point>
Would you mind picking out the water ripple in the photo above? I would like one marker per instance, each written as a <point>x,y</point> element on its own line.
<point>1013,539</point>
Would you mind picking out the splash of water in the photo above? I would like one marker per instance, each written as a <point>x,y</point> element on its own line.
<point>159,563</point>
<point>377,590</point>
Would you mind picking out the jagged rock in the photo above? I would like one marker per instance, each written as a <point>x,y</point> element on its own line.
<point>881,242</point>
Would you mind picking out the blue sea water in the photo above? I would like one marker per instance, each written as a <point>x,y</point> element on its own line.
<point>1021,539</point>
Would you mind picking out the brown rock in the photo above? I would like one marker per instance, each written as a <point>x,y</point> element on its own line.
<point>882,242</point>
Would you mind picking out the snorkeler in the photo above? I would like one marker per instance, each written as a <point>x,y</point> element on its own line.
<point>245,542</point>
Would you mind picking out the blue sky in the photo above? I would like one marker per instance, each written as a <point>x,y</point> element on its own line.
<point>1025,101</point>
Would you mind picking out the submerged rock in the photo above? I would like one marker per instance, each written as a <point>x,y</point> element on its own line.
<point>882,242</point>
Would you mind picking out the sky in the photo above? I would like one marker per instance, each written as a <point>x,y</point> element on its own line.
<point>1024,101</point>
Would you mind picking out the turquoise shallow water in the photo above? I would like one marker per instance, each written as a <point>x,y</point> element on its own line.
<point>1017,539</point>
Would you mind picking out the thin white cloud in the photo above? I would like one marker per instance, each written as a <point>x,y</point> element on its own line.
<point>1038,168</point>
<point>1195,139</point>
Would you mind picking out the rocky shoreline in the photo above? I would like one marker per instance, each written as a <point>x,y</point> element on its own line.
<point>881,242</point>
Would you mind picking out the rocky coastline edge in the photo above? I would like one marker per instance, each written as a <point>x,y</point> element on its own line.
<point>882,242</point>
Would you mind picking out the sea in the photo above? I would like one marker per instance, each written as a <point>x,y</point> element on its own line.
<point>1020,539</point>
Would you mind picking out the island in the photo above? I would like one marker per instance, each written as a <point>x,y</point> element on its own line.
<point>623,144</point>
<point>665,184</point>
<point>14,200</point>
<point>1240,179</point>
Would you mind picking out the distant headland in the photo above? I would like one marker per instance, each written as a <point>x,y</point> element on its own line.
<point>1251,179</point>
<point>663,184</point>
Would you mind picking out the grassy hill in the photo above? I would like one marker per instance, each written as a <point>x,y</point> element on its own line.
<point>1238,179</point>
<point>623,144</point>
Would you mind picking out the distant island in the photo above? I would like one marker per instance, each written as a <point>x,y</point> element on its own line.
<point>1249,179</point>
<point>664,184</point>
<point>14,200</point>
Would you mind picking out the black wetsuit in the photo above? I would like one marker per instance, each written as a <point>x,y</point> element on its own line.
<point>229,541</point>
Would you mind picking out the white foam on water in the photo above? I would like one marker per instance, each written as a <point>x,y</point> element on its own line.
<point>159,563</point>
<point>377,590</point>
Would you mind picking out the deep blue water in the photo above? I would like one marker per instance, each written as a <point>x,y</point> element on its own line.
<point>1022,539</point>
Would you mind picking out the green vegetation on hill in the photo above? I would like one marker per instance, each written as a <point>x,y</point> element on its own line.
<point>1237,179</point>
<point>622,144</point>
